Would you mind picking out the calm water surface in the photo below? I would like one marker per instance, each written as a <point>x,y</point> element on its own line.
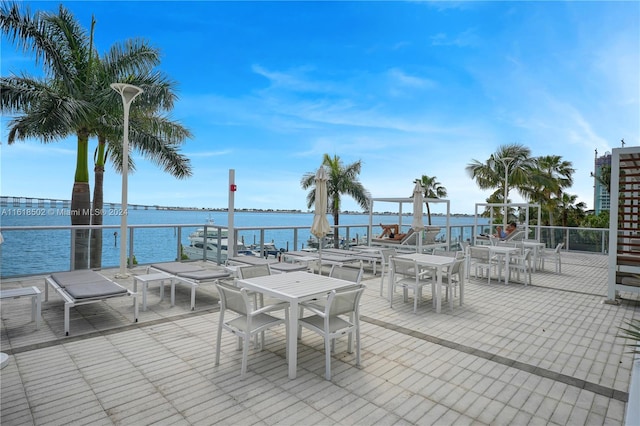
<point>32,252</point>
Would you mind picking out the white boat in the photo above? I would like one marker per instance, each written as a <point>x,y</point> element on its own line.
<point>268,250</point>
<point>214,236</point>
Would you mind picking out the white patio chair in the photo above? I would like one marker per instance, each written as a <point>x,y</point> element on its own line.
<point>522,263</point>
<point>480,259</point>
<point>553,256</point>
<point>347,273</point>
<point>409,276</point>
<point>453,279</point>
<point>384,267</point>
<point>248,321</point>
<point>337,271</point>
<point>331,323</point>
<point>252,271</point>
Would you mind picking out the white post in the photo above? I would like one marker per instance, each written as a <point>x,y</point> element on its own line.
<point>231,241</point>
<point>128,92</point>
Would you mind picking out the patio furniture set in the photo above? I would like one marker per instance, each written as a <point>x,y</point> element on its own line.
<point>290,287</point>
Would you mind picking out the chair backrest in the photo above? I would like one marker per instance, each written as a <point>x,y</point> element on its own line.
<point>343,302</point>
<point>559,247</point>
<point>403,266</point>
<point>455,268</point>
<point>480,253</point>
<point>345,273</point>
<point>387,253</point>
<point>517,235</point>
<point>430,236</point>
<point>233,298</point>
<point>460,254</point>
<point>252,271</point>
<point>411,238</point>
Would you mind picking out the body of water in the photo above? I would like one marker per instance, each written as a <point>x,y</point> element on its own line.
<point>43,251</point>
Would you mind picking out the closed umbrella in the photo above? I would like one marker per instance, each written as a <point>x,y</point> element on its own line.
<point>320,226</point>
<point>417,224</point>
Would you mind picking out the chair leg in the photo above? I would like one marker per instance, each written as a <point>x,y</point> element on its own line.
<point>286,332</point>
<point>219,340</point>
<point>327,356</point>
<point>357,324</point>
<point>245,354</point>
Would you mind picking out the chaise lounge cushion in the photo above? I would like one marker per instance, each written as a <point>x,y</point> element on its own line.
<point>86,284</point>
<point>176,268</point>
<point>190,271</point>
<point>204,275</point>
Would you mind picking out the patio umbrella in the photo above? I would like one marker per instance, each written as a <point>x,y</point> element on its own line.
<point>417,224</point>
<point>320,226</point>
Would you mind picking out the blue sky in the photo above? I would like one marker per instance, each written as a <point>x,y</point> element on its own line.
<point>409,88</point>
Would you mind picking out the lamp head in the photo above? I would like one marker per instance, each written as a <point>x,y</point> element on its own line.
<point>127,91</point>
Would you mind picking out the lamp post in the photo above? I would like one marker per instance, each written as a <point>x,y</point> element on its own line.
<point>506,161</point>
<point>128,92</point>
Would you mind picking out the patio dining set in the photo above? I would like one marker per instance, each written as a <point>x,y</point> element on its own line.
<point>257,294</point>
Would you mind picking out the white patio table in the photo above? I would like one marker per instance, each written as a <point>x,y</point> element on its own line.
<point>439,263</point>
<point>505,252</point>
<point>294,287</point>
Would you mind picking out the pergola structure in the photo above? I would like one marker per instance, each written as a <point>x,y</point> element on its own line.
<point>527,206</point>
<point>624,222</point>
<point>408,200</point>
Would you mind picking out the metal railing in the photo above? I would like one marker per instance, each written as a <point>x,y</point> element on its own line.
<point>30,250</point>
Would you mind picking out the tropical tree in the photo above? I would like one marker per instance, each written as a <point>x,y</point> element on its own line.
<point>549,178</point>
<point>604,177</point>
<point>509,165</point>
<point>74,98</point>
<point>342,180</point>
<point>432,189</point>
<point>61,103</point>
<point>601,220</point>
<point>570,212</point>
<point>151,133</point>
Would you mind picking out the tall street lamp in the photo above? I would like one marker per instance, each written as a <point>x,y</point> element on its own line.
<point>128,92</point>
<point>506,161</point>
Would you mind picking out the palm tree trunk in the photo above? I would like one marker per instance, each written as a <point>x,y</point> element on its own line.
<point>97,217</point>
<point>428,213</point>
<point>336,237</point>
<point>81,204</point>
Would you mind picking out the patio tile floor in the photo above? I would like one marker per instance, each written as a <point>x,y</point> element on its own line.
<point>540,354</point>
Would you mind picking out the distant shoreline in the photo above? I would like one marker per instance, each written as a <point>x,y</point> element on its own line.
<point>10,201</point>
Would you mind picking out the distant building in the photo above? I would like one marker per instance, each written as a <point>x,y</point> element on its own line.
<point>601,197</point>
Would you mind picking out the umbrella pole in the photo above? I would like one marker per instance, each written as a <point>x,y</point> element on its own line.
<point>319,256</point>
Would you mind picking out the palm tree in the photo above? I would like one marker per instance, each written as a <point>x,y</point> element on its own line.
<point>432,189</point>
<point>75,98</point>
<point>59,105</point>
<point>604,177</point>
<point>342,180</point>
<point>491,174</point>
<point>152,134</point>
<point>547,182</point>
<point>570,212</point>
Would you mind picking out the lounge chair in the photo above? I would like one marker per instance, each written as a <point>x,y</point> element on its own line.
<point>275,266</point>
<point>410,238</point>
<point>188,274</point>
<point>85,286</point>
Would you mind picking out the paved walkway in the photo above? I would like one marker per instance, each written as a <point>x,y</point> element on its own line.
<point>540,354</point>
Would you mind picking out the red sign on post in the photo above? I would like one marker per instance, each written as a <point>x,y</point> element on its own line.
<point>233,187</point>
